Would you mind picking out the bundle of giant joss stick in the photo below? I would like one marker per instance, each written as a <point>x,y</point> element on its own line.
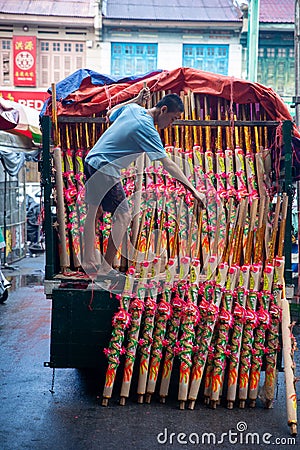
<point>204,291</point>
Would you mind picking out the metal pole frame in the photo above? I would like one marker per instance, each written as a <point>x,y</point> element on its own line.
<point>288,187</point>
<point>253,38</point>
<point>46,181</point>
<point>297,61</point>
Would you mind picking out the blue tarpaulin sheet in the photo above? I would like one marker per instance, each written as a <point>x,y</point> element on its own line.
<point>73,82</point>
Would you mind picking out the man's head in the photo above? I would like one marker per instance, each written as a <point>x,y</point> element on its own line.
<point>168,109</point>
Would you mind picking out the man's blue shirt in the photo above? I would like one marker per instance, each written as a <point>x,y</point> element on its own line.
<point>131,133</point>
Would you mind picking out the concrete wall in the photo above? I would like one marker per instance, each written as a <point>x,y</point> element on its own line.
<point>169,55</point>
<point>235,61</point>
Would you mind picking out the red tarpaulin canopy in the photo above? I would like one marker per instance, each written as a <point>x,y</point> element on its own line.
<point>86,93</point>
<point>91,99</point>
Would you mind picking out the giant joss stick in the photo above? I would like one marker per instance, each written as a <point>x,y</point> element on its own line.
<point>79,155</point>
<point>64,255</point>
<point>208,155</point>
<point>259,165</point>
<point>194,117</point>
<point>272,341</point>
<point>191,139</point>
<point>136,310</point>
<point>239,311</point>
<point>240,168</point>
<point>220,160</point>
<point>190,317</point>
<point>57,158</point>
<point>225,315</point>
<point>172,331</point>
<point>230,291</point>
<point>229,164</point>
<point>187,134</point>
<point>289,346</point>
<point>121,321</point>
<point>231,228</point>
<point>198,154</point>
<point>150,309</point>
<point>80,180</point>
<point>56,134</point>
<point>209,309</point>
<point>217,290</point>
<point>249,159</point>
<point>200,184</point>
<point>70,195</point>
<point>163,314</point>
<point>137,196</point>
<point>175,321</point>
<point>263,313</point>
<point>251,305</point>
<point>140,164</point>
<point>212,290</point>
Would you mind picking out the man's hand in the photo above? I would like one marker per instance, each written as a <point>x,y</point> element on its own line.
<point>141,99</point>
<point>175,171</point>
<point>143,96</point>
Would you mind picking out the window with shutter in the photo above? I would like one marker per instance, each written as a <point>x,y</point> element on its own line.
<point>6,72</point>
<point>213,58</point>
<point>44,71</point>
<point>276,69</point>
<point>57,73</point>
<point>128,59</point>
<point>78,62</point>
<point>67,66</point>
<point>58,59</point>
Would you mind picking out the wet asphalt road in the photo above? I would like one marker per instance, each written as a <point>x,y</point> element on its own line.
<point>72,418</point>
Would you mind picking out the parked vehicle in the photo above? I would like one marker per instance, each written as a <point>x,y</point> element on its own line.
<point>33,219</point>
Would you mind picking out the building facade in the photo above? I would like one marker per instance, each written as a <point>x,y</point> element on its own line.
<point>55,38</point>
<point>276,47</point>
<point>41,43</point>
<point>146,36</point>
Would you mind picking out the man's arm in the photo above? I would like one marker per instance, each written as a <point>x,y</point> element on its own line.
<point>140,99</point>
<point>175,171</point>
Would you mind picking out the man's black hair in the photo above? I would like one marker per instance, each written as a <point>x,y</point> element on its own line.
<point>172,101</point>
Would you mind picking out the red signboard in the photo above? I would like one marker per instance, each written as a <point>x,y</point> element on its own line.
<point>24,48</point>
<point>33,99</point>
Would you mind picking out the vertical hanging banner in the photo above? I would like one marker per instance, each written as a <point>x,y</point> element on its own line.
<point>24,48</point>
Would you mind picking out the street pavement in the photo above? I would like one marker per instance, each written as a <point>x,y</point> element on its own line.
<point>71,416</point>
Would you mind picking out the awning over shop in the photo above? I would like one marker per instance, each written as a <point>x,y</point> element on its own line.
<point>20,119</point>
<point>15,150</point>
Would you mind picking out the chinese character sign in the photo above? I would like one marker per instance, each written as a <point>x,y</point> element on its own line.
<point>24,60</point>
